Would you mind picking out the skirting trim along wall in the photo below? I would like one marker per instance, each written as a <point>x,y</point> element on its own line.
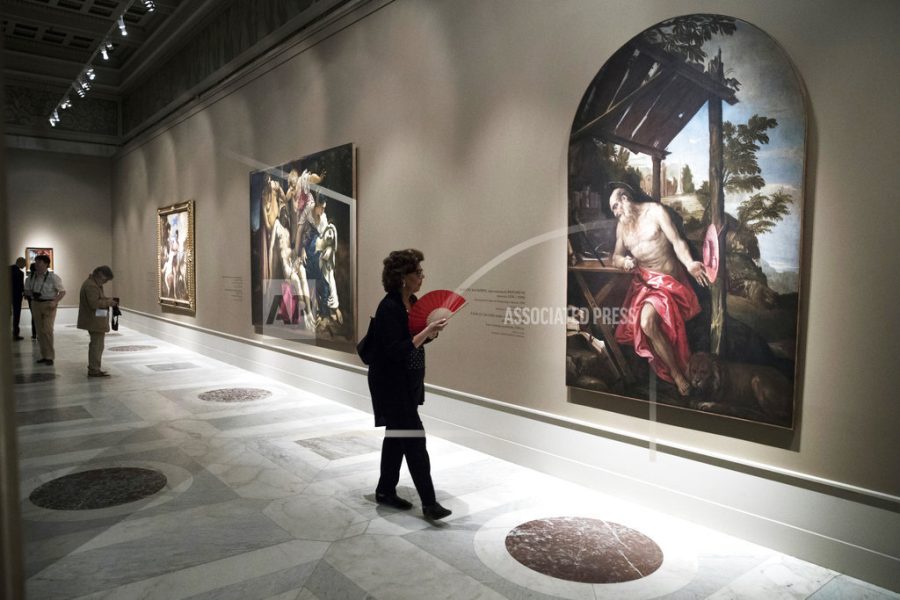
<point>851,530</point>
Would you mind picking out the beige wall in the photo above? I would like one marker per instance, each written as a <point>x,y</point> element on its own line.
<point>461,113</point>
<point>61,201</point>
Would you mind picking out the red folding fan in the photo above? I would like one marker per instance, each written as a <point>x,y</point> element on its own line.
<point>711,253</point>
<point>434,306</point>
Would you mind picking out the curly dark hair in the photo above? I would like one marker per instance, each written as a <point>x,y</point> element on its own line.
<point>396,265</point>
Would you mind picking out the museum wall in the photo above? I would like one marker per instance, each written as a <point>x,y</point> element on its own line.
<point>461,114</point>
<point>61,201</point>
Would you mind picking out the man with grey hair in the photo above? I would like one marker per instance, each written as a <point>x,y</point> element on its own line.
<point>93,316</point>
<point>660,299</point>
<point>45,289</point>
<point>17,289</point>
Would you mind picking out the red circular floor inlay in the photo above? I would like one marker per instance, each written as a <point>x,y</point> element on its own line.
<point>98,488</point>
<point>584,550</point>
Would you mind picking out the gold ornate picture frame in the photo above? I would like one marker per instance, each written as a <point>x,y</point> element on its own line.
<point>175,256</point>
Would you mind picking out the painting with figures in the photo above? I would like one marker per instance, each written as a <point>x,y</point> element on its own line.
<point>175,256</point>
<point>303,249</point>
<point>32,253</point>
<point>685,203</point>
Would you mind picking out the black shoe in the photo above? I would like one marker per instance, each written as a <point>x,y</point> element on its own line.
<point>98,374</point>
<point>49,362</point>
<point>18,338</point>
<point>393,500</point>
<point>435,511</point>
<point>43,361</point>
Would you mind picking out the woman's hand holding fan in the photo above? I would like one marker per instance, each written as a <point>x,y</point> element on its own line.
<point>433,307</point>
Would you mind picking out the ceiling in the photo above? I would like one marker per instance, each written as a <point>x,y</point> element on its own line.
<point>170,54</point>
<point>49,42</point>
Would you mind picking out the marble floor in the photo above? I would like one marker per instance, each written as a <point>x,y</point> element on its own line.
<point>184,477</point>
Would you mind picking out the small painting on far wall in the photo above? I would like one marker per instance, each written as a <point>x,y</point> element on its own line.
<point>175,256</point>
<point>32,253</point>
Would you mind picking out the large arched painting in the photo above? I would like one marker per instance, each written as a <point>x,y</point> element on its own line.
<point>686,172</point>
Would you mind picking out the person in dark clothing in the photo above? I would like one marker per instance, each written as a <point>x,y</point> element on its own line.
<point>17,289</point>
<point>397,384</point>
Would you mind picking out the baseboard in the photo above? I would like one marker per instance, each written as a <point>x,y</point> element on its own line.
<point>853,532</point>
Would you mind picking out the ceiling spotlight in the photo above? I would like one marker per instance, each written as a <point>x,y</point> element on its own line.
<point>149,5</point>
<point>66,103</point>
<point>90,74</point>
<point>122,29</point>
<point>80,92</point>
<point>104,53</point>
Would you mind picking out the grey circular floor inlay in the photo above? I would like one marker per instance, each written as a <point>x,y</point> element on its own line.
<point>584,550</point>
<point>134,348</point>
<point>98,488</point>
<point>35,377</point>
<point>235,395</point>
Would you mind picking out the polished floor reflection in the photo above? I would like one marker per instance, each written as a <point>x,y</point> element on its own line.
<point>269,494</point>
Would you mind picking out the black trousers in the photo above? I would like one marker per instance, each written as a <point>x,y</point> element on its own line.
<point>406,437</point>
<point>17,315</point>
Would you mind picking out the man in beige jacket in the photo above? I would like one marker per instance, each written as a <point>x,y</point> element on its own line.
<point>93,315</point>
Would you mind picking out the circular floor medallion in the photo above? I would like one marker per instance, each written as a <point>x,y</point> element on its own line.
<point>134,348</point>
<point>584,550</point>
<point>35,377</point>
<point>235,395</point>
<point>98,488</point>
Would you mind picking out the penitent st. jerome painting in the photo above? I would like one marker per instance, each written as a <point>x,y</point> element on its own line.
<point>303,249</point>
<point>686,167</point>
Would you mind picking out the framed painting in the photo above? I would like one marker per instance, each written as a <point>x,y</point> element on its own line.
<point>32,253</point>
<point>175,256</point>
<point>685,204</point>
<point>303,249</point>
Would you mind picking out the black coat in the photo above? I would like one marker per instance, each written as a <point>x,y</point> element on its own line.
<point>396,384</point>
<point>16,282</point>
